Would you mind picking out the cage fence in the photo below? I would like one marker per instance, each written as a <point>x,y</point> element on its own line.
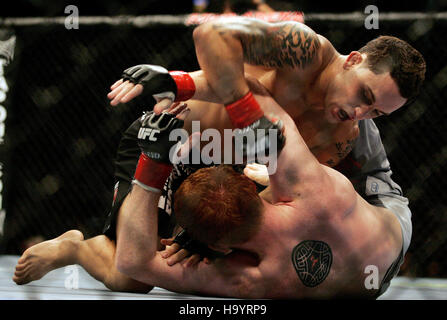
<point>60,134</point>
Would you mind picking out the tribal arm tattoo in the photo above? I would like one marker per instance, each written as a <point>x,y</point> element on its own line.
<point>276,45</point>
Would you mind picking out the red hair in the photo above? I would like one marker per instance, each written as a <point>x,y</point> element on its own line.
<point>218,204</point>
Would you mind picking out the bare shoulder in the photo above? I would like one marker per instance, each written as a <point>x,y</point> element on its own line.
<point>338,197</point>
<point>290,45</point>
<point>327,50</point>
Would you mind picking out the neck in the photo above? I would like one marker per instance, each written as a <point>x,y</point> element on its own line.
<point>257,241</point>
<point>334,66</point>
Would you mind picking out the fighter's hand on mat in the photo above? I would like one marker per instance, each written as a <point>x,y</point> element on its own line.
<point>258,173</point>
<point>173,254</point>
<point>152,80</point>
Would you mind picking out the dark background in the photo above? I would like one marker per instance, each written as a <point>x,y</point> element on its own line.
<point>21,8</point>
<point>61,135</point>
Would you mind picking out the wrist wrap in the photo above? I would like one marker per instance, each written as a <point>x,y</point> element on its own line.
<point>185,85</point>
<point>244,111</point>
<point>151,173</point>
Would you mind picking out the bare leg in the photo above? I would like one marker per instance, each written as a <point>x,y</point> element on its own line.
<point>95,255</point>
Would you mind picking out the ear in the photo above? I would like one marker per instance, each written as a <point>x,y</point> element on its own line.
<point>354,58</point>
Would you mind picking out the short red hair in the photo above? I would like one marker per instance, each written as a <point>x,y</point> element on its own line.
<point>218,204</point>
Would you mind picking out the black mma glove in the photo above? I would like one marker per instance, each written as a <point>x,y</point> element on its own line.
<point>246,115</point>
<point>154,165</point>
<point>263,139</point>
<point>161,83</point>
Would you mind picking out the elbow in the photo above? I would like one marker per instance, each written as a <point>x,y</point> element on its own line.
<point>127,266</point>
<point>207,34</point>
<point>132,265</point>
<point>201,33</point>
<point>247,285</point>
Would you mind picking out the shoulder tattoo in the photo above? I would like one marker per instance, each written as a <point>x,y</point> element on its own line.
<point>284,45</point>
<point>312,260</point>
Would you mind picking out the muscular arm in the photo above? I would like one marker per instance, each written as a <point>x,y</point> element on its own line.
<point>137,230</point>
<point>299,175</point>
<point>203,92</point>
<point>223,46</point>
<point>297,169</point>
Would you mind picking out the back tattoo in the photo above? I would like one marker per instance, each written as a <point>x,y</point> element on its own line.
<point>312,260</point>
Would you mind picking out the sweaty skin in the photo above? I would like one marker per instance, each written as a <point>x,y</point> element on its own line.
<point>324,92</point>
<point>313,208</point>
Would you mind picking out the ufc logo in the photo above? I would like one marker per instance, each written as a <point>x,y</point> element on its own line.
<point>148,132</point>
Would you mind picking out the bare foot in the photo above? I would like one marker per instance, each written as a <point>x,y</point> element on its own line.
<point>44,257</point>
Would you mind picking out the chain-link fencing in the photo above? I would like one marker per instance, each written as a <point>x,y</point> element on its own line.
<point>60,135</point>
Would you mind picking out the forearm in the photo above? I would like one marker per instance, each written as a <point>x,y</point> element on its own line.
<point>204,92</point>
<point>222,47</point>
<point>137,232</point>
<point>220,56</point>
<point>137,256</point>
